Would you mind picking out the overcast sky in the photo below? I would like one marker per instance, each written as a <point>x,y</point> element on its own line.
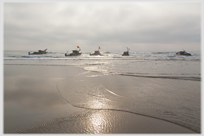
<point>141,26</point>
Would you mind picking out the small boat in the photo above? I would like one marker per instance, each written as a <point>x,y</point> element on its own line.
<point>96,53</point>
<point>126,53</point>
<point>39,52</point>
<point>74,52</point>
<point>183,53</point>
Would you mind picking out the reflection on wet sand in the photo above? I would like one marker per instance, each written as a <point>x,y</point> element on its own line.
<point>30,96</point>
<point>32,93</point>
<point>106,122</point>
<point>95,104</point>
<point>97,123</point>
<point>33,103</point>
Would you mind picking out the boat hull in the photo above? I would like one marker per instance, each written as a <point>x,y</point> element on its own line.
<point>126,53</point>
<point>40,52</point>
<point>36,53</point>
<point>96,53</point>
<point>72,54</point>
<point>183,53</point>
<point>186,54</point>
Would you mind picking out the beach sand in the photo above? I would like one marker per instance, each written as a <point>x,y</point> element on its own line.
<point>40,99</point>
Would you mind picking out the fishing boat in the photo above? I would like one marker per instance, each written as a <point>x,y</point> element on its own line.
<point>183,53</point>
<point>126,53</point>
<point>39,52</point>
<point>96,52</point>
<point>74,52</point>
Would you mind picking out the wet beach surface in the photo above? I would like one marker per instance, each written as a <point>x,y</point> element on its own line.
<point>67,99</point>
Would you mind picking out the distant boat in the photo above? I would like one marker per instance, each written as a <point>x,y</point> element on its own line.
<point>183,53</point>
<point>96,52</point>
<point>74,52</point>
<point>126,53</point>
<point>39,52</point>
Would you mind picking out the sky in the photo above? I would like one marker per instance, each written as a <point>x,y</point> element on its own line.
<point>112,25</point>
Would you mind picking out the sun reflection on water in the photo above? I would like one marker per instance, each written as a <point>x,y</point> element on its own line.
<point>98,123</point>
<point>98,120</point>
<point>96,104</point>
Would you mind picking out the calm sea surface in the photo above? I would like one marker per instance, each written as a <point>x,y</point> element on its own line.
<point>168,86</point>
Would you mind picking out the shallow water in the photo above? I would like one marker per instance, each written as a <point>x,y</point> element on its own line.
<point>172,100</point>
<point>157,85</point>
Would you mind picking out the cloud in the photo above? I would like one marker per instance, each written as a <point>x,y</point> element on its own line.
<point>108,24</point>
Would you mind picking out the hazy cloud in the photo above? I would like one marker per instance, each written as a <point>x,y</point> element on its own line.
<point>111,25</point>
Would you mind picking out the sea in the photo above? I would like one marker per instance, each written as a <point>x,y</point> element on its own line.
<point>175,81</point>
<point>141,64</point>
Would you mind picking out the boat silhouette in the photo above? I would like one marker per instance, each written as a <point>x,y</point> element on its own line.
<point>126,53</point>
<point>38,53</point>
<point>74,52</point>
<point>183,53</point>
<point>96,52</point>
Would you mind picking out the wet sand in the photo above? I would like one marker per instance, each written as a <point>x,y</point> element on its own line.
<point>33,104</point>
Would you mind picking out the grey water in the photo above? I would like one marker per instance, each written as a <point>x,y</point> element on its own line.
<point>155,84</point>
<point>161,64</point>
